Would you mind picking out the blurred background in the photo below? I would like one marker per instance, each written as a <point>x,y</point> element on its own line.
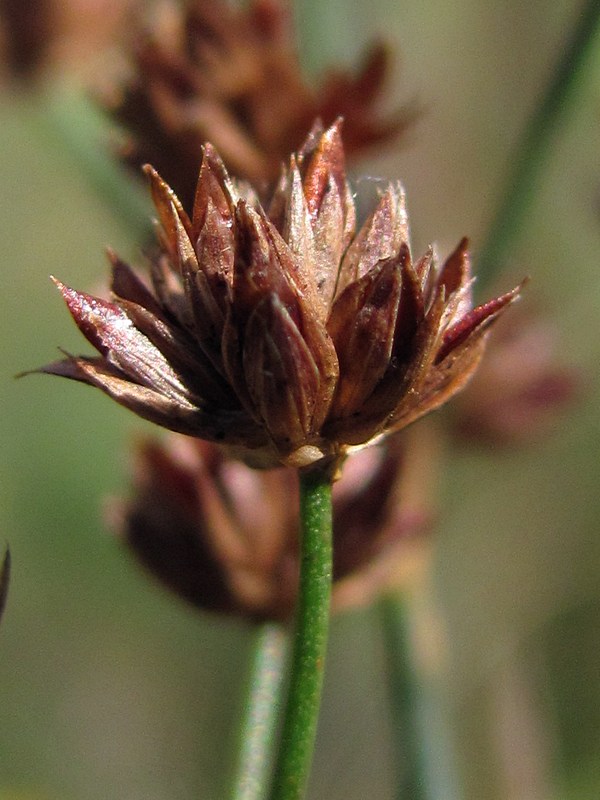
<point>110,687</point>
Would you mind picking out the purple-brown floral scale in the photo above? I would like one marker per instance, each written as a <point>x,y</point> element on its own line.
<point>283,333</point>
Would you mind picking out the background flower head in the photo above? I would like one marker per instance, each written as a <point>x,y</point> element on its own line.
<point>224,537</point>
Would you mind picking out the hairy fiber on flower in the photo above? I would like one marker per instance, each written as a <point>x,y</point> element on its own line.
<point>283,333</point>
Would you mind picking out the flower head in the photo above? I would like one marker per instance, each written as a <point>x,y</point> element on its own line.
<point>282,333</point>
<point>224,537</point>
<point>230,74</point>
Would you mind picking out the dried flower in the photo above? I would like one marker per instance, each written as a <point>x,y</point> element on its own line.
<point>225,537</point>
<point>282,334</point>
<point>4,579</point>
<point>521,387</point>
<point>230,75</point>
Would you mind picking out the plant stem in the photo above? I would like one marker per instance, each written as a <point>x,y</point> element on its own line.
<point>310,639</point>
<point>409,756</point>
<point>423,742</point>
<point>534,145</point>
<point>70,119</point>
<point>259,719</point>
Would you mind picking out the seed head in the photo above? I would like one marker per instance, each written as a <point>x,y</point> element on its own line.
<point>522,387</point>
<point>224,537</point>
<point>230,74</point>
<point>282,333</point>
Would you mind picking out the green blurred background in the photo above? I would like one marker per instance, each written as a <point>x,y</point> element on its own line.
<point>110,688</point>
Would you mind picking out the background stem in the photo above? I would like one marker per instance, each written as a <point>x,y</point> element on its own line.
<point>534,145</point>
<point>310,640</point>
<point>260,715</point>
<point>413,756</point>
<point>69,117</point>
<point>403,688</point>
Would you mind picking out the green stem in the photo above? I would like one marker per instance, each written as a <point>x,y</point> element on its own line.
<point>534,145</point>
<point>260,716</point>
<point>403,687</point>
<point>310,640</point>
<point>423,742</point>
<point>70,120</point>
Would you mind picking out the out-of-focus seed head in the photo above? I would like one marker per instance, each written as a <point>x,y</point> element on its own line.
<point>224,537</point>
<point>230,74</point>
<point>283,333</point>
<point>521,388</point>
<point>41,37</point>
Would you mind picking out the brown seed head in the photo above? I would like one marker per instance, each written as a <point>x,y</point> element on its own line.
<point>38,37</point>
<point>522,387</point>
<point>283,334</point>
<point>224,537</point>
<point>231,75</point>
